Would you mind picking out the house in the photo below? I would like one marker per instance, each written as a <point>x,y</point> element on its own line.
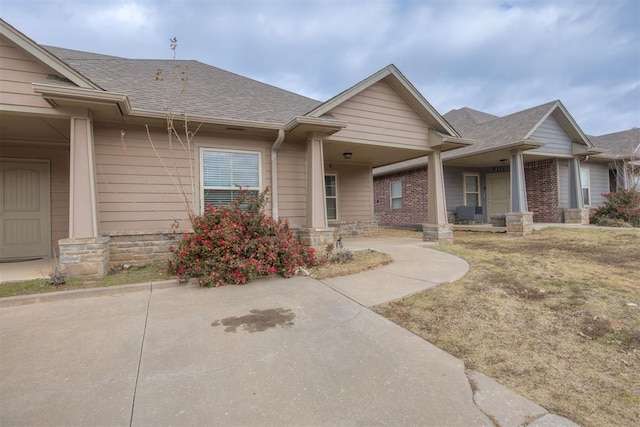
<point>90,174</point>
<point>526,166</point>
<point>621,154</point>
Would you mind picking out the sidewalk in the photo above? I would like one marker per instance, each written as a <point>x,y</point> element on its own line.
<point>274,352</point>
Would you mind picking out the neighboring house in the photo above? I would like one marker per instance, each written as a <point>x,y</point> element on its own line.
<point>621,154</point>
<point>88,172</point>
<point>527,163</point>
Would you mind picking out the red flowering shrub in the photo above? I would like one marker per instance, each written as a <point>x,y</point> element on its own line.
<point>237,243</point>
<point>621,208</point>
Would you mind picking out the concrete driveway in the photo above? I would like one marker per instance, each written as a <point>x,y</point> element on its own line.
<point>274,352</point>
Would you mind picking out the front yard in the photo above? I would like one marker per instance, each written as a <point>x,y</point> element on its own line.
<point>554,316</point>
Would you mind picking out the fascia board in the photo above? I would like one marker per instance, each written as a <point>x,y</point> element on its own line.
<point>208,120</point>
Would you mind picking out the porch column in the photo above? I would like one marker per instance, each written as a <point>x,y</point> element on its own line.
<point>316,232</point>
<point>83,211</point>
<point>85,252</point>
<point>519,220</point>
<point>518,186</point>
<point>576,213</point>
<point>437,227</point>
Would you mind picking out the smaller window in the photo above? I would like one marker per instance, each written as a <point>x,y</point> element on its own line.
<point>396,195</point>
<point>331,196</point>
<point>471,190</point>
<point>584,183</point>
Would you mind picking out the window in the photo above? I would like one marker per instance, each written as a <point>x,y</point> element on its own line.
<point>331,194</point>
<point>584,183</point>
<point>225,172</point>
<point>471,190</point>
<point>395,188</point>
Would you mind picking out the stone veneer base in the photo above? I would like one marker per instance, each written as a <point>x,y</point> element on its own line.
<point>140,247</point>
<point>576,216</point>
<point>317,237</point>
<point>84,257</point>
<point>441,233</point>
<point>519,223</point>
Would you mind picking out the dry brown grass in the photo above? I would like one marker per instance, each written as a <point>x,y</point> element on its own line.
<point>551,316</point>
<point>362,261</point>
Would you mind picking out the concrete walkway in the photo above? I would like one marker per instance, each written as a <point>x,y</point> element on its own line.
<point>274,352</point>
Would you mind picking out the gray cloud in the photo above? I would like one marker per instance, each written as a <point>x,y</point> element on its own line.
<point>496,56</point>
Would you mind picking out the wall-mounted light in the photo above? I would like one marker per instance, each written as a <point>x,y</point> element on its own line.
<point>503,161</point>
<point>347,155</point>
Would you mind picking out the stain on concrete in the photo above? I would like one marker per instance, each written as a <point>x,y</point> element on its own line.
<point>258,320</point>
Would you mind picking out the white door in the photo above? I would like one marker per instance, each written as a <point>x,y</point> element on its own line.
<point>498,194</point>
<point>25,213</point>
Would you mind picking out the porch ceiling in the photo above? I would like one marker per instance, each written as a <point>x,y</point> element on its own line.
<point>32,128</point>
<point>372,155</point>
<point>491,159</point>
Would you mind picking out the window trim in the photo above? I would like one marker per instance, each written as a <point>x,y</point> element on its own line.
<point>391,198</point>
<point>587,187</point>
<point>464,187</point>
<point>326,207</point>
<point>201,185</point>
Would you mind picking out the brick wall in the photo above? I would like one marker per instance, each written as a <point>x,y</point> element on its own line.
<point>541,178</point>
<point>414,198</point>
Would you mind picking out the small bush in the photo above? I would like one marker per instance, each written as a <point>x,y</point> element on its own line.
<point>341,257</point>
<point>622,207</point>
<point>237,243</point>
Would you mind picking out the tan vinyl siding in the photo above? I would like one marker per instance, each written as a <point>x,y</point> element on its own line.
<point>556,139</point>
<point>58,156</point>
<point>355,192</point>
<point>136,192</point>
<point>292,183</point>
<point>379,115</point>
<point>17,71</point>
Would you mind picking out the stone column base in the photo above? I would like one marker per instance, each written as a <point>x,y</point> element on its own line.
<point>317,237</point>
<point>576,216</point>
<point>519,223</point>
<point>441,233</point>
<point>84,257</point>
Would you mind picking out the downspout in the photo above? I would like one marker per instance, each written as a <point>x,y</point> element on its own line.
<point>274,173</point>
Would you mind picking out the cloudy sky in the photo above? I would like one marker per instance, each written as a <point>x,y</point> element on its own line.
<point>497,56</point>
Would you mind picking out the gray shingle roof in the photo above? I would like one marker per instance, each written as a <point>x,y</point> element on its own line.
<point>209,91</point>
<point>619,144</point>
<point>492,131</point>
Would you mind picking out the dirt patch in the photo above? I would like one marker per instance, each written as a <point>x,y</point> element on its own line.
<point>258,320</point>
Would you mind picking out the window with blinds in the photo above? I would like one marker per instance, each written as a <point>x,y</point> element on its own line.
<point>225,172</point>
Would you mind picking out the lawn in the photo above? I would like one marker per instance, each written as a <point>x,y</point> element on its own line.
<point>554,316</point>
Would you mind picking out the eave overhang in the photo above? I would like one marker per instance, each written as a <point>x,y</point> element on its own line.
<point>306,125</point>
<point>518,145</point>
<point>59,96</point>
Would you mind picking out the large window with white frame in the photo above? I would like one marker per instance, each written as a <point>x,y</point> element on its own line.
<point>395,189</point>
<point>586,186</point>
<point>471,189</point>
<point>331,195</point>
<point>224,172</point>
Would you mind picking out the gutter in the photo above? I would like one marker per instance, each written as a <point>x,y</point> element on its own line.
<point>274,173</point>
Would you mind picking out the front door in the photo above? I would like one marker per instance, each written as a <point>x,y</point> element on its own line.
<point>25,215</point>
<point>498,194</point>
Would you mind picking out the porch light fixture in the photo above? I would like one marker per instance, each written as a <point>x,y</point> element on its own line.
<point>347,155</point>
<point>503,161</point>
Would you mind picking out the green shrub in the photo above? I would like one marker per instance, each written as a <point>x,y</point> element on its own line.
<point>620,208</point>
<point>237,243</point>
